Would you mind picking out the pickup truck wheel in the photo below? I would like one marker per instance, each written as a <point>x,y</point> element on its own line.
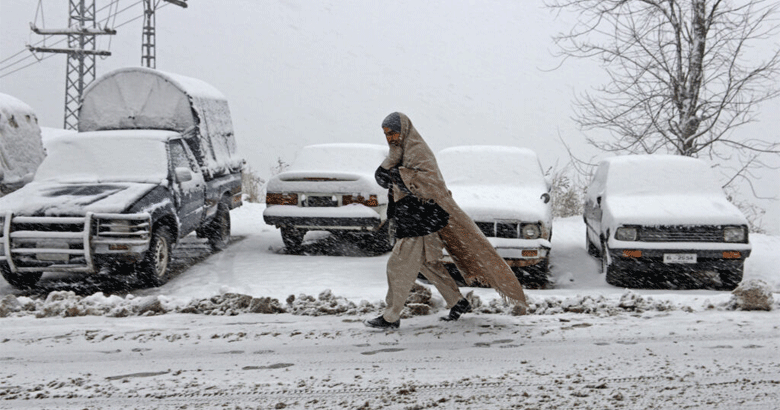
<point>218,230</point>
<point>155,267</point>
<point>20,280</point>
<point>293,238</point>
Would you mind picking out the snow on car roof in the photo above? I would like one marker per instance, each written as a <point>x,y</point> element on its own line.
<point>664,174</point>
<point>124,155</point>
<point>490,165</point>
<point>347,157</point>
<point>496,182</point>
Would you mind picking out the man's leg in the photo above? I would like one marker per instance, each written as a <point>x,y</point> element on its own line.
<point>437,274</point>
<point>402,268</point>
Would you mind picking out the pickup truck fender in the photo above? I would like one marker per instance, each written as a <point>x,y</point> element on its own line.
<point>159,204</point>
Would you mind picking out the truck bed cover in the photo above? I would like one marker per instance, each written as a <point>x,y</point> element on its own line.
<point>143,98</point>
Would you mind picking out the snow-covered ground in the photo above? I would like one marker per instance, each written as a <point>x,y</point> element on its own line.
<point>197,342</point>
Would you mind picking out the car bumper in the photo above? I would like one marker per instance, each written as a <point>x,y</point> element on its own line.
<point>678,260</point>
<point>517,253</point>
<point>350,217</point>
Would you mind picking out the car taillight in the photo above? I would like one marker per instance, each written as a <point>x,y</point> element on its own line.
<point>359,199</point>
<point>281,199</point>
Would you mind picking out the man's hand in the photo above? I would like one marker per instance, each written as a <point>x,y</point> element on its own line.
<point>383,178</point>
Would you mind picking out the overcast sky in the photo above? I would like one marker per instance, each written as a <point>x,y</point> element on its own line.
<point>299,72</point>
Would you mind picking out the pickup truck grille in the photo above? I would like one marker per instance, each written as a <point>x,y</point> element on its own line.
<point>681,234</point>
<point>66,243</point>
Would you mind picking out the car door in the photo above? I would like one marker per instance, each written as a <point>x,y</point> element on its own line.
<point>189,186</point>
<point>592,208</point>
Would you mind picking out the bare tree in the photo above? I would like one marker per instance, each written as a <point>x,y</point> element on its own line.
<point>682,75</point>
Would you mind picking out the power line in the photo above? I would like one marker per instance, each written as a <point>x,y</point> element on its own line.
<point>29,56</point>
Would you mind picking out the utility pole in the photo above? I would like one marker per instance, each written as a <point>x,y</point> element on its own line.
<point>82,30</point>
<point>148,36</point>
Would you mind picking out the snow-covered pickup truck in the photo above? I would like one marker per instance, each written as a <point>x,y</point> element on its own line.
<point>153,161</point>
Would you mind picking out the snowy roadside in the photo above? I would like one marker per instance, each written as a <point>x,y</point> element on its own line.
<point>254,276</point>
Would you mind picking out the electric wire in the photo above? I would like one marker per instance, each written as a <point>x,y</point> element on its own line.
<point>37,60</point>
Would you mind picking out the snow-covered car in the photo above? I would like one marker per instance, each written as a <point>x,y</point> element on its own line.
<point>331,187</point>
<point>653,217</point>
<point>504,190</point>
<point>21,146</point>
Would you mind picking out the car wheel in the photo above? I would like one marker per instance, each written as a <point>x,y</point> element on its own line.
<point>592,249</point>
<point>534,276</point>
<point>293,238</point>
<point>613,275</point>
<point>20,280</point>
<point>155,266</point>
<point>383,240</point>
<point>730,278</point>
<point>218,230</point>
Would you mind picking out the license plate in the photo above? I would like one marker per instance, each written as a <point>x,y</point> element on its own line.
<point>679,258</point>
<point>52,257</point>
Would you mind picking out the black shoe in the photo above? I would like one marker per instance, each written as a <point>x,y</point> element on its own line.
<point>463,306</point>
<point>381,323</point>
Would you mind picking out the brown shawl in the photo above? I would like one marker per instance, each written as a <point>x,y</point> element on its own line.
<point>474,256</point>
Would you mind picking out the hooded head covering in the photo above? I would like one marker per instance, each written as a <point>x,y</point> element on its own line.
<point>393,122</point>
<point>416,162</point>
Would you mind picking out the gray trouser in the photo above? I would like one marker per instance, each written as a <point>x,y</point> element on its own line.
<point>412,255</point>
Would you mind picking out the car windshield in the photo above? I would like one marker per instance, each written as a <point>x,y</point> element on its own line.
<point>490,166</point>
<point>96,159</point>
<point>340,158</point>
<point>644,175</point>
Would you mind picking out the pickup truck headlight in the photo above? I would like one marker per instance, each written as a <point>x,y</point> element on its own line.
<point>531,231</point>
<point>123,228</point>
<point>626,233</point>
<point>734,234</point>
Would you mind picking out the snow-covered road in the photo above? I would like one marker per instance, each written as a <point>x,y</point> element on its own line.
<point>650,360</point>
<point>587,345</point>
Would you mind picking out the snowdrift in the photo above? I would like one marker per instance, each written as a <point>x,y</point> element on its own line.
<point>143,98</point>
<point>21,148</point>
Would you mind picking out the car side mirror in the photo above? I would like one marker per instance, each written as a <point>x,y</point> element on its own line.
<point>183,174</point>
<point>598,200</point>
<point>545,197</point>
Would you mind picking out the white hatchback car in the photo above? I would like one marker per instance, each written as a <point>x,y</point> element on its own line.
<point>331,187</point>
<point>504,190</point>
<point>662,218</point>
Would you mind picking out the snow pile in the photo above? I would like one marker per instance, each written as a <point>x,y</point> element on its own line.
<point>598,305</point>
<point>753,294</point>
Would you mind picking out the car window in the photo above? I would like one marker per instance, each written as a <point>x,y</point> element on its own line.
<point>179,156</point>
<point>596,186</point>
